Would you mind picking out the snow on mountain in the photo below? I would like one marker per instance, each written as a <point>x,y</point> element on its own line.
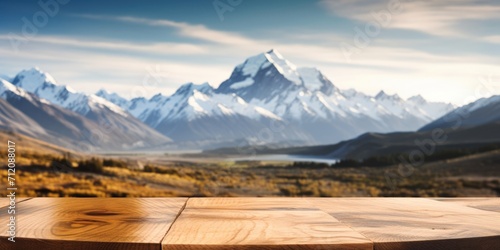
<point>301,93</point>
<point>202,101</point>
<point>479,104</point>
<point>287,69</point>
<point>243,84</point>
<point>262,77</point>
<point>196,113</point>
<point>394,104</point>
<point>45,86</point>
<point>314,80</point>
<point>269,87</point>
<point>11,119</point>
<point>6,87</point>
<point>286,90</point>
<point>113,98</point>
<point>480,112</point>
<point>26,113</point>
<point>433,110</point>
<point>190,101</point>
<point>254,64</point>
<point>78,118</point>
<point>305,95</point>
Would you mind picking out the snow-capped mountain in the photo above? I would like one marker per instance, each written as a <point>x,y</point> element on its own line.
<point>267,88</point>
<point>45,86</point>
<point>35,117</point>
<point>431,109</point>
<point>197,113</point>
<point>192,101</point>
<point>266,100</point>
<point>73,119</point>
<point>11,119</point>
<point>290,92</point>
<point>113,98</point>
<point>276,84</point>
<point>309,100</point>
<point>481,112</point>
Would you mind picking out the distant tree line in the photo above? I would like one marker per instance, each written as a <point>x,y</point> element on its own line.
<point>393,159</point>
<point>92,165</point>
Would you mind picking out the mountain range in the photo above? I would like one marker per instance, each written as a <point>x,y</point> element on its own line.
<point>35,105</point>
<point>266,100</point>
<point>475,126</point>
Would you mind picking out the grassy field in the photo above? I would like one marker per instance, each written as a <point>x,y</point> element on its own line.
<point>55,173</point>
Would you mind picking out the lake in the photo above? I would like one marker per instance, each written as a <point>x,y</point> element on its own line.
<point>280,158</point>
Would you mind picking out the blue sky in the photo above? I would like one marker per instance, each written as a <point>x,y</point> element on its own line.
<point>443,50</point>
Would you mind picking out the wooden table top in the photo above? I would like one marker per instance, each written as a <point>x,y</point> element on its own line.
<point>253,223</point>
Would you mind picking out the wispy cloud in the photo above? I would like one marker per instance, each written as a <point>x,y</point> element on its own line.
<point>89,71</point>
<point>492,39</point>
<point>390,65</point>
<point>440,18</point>
<point>155,48</point>
<point>184,29</point>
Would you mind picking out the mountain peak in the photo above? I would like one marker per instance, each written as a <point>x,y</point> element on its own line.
<point>417,99</point>
<point>276,53</point>
<point>102,92</point>
<point>31,79</point>
<point>44,86</point>
<point>253,64</point>
<point>188,88</point>
<point>269,76</point>
<point>157,98</point>
<point>272,51</point>
<point>204,85</point>
<point>382,95</point>
<point>113,98</point>
<point>106,94</point>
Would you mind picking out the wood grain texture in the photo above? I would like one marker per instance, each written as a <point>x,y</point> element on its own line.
<point>259,223</point>
<point>254,223</point>
<point>416,223</point>
<point>92,223</point>
<point>488,204</point>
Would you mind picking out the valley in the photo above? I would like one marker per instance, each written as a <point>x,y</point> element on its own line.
<point>52,172</point>
<point>270,129</point>
<point>266,100</point>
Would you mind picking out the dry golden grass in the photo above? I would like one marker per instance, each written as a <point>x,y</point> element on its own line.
<point>477,175</point>
<point>202,180</point>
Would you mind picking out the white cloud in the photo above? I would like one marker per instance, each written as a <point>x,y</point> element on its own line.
<point>89,71</point>
<point>184,29</point>
<point>492,39</point>
<point>440,18</point>
<point>90,64</point>
<point>155,48</point>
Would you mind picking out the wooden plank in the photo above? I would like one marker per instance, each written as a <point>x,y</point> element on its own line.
<point>488,204</point>
<point>92,223</point>
<point>6,201</point>
<point>249,223</point>
<point>266,204</point>
<point>263,223</point>
<point>416,223</point>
